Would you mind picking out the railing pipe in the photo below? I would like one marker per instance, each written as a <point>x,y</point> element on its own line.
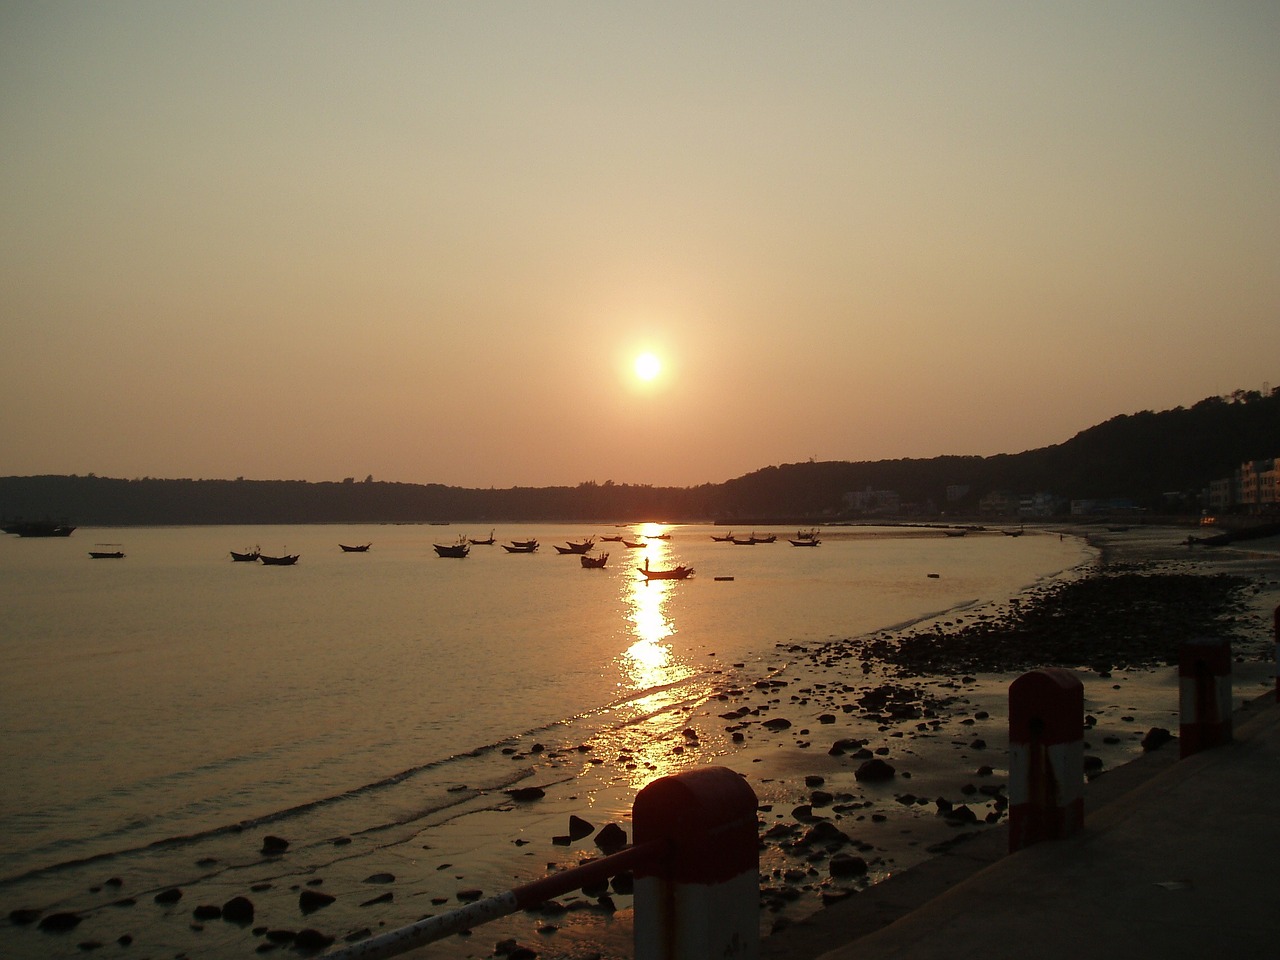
<point>430,929</point>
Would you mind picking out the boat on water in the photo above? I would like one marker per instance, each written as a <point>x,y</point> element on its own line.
<point>633,544</point>
<point>617,538</point>
<point>810,534</point>
<point>727,538</point>
<point>105,553</point>
<point>39,528</point>
<point>1013,533</point>
<point>955,533</point>
<point>362,548</point>
<point>594,563</point>
<point>806,542</point>
<point>457,550</point>
<point>524,543</point>
<point>524,546</point>
<point>674,573</point>
<point>580,547</point>
<point>249,556</point>
<point>287,560</point>
<point>483,543</point>
<point>753,540</point>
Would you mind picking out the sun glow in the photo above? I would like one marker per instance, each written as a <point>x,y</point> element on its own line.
<point>648,366</point>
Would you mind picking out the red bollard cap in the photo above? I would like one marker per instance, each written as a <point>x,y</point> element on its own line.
<point>1046,705</point>
<point>708,815</point>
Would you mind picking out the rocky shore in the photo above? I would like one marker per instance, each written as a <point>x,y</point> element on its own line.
<point>868,756</point>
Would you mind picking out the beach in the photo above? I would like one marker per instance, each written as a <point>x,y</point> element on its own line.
<point>926,700</point>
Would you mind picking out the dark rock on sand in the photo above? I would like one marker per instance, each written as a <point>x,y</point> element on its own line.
<point>611,838</point>
<point>526,794</point>
<point>380,878</point>
<point>387,897</point>
<point>60,922</point>
<point>273,845</point>
<point>1156,738</point>
<point>238,910</point>
<point>875,771</point>
<point>172,895</point>
<point>847,865</point>
<point>311,940</point>
<point>207,911</point>
<point>22,917</point>
<point>579,828</point>
<point>309,901</point>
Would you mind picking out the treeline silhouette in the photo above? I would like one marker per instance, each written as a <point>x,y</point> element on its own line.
<point>1160,461</point>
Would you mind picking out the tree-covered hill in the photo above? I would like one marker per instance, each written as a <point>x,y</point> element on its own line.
<point>1145,457</point>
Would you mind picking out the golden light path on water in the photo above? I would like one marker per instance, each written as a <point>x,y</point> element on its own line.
<point>649,742</point>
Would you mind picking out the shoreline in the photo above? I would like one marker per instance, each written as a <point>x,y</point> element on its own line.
<point>777,720</point>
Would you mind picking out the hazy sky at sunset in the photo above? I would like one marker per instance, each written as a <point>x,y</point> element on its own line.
<point>426,241</point>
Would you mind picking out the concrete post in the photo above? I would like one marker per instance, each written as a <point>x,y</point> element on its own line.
<point>1046,756</point>
<point>702,899</point>
<point>1204,682</point>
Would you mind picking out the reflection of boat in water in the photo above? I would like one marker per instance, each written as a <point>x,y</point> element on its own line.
<point>458,550</point>
<point>594,563</point>
<point>104,554</point>
<point>287,560</point>
<point>484,543</point>
<point>583,546</point>
<point>249,556</point>
<point>39,528</point>
<point>675,573</point>
<point>524,546</point>
<point>362,548</point>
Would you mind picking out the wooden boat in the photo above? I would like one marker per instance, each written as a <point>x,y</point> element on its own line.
<point>362,548</point>
<point>753,539</point>
<point>484,543</point>
<point>806,542</point>
<point>286,561</point>
<point>727,538</point>
<point>524,543</point>
<point>633,544</point>
<point>1013,533</point>
<point>594,563</point>
<point>102,554</point>
<point>527,546</point>
<point>249,556</point>
<point>810,534</point>
<point>955,533</point>
<point>579,548</point>
<point>457,550</point>
<point>675,573</point>
<point>613,539</point>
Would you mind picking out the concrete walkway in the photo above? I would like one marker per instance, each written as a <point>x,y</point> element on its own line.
<point>1178,859</point>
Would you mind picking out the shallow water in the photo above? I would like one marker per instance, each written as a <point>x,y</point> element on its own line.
<point>154,707</point>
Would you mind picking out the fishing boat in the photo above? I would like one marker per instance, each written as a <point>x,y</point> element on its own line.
<point>955,533</point>
<point>287,560</point>
<point>810,534</point>
<point>249,556</point>
<point>727,538</point>
<point>583,546</point>
<point>526,546</point>
<point>675,573</point>
<point>483,543</point>
<point>617,538</point>
<point>458,550</point>
<point>633,544</point>
<point>594,563</point>
<point>524,543</point>
<point>806,542</point>
<point>362,548</point>
<point>104,554</point>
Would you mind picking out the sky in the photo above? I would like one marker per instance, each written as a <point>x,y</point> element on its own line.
<point>426,242</point>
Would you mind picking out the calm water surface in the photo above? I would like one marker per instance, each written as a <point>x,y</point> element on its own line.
<point>175,694</point>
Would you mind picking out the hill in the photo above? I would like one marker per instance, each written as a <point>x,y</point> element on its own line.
<point>1156,460</point>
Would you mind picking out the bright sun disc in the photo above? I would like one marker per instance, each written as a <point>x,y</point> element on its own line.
<point>647,366</point>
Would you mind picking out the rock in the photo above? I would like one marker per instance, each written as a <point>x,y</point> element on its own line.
<point>22,917</point>
<point>380,878</point>
<point>309,901</point>
<point>469,895</point>
<point>238,910</point>
<point>813,780</point>
<point>274,845</point>
<point>311,940</point>
<point>579,828</point>
<point>1156,738</point>
<point>60,922</point>
<point>875,771</point>
<point>526,794</point>
<point>611,838</point>
<point>387,897</point>
<point>207,911</point>
<point>847,865</point>
<point>777,723</point>
<point>172,895</point>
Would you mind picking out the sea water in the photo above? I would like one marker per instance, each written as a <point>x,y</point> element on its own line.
<point>153,705</point>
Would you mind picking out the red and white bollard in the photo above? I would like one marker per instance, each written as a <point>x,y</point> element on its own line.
<point>702,899</point>
<point>1277,636</point>
<point>1204,682</point>
<point>1046,756</point>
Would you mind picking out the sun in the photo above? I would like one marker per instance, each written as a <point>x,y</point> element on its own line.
<point>648,366</point>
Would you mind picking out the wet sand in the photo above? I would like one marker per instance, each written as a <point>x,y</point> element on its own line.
<point>928,701</point>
